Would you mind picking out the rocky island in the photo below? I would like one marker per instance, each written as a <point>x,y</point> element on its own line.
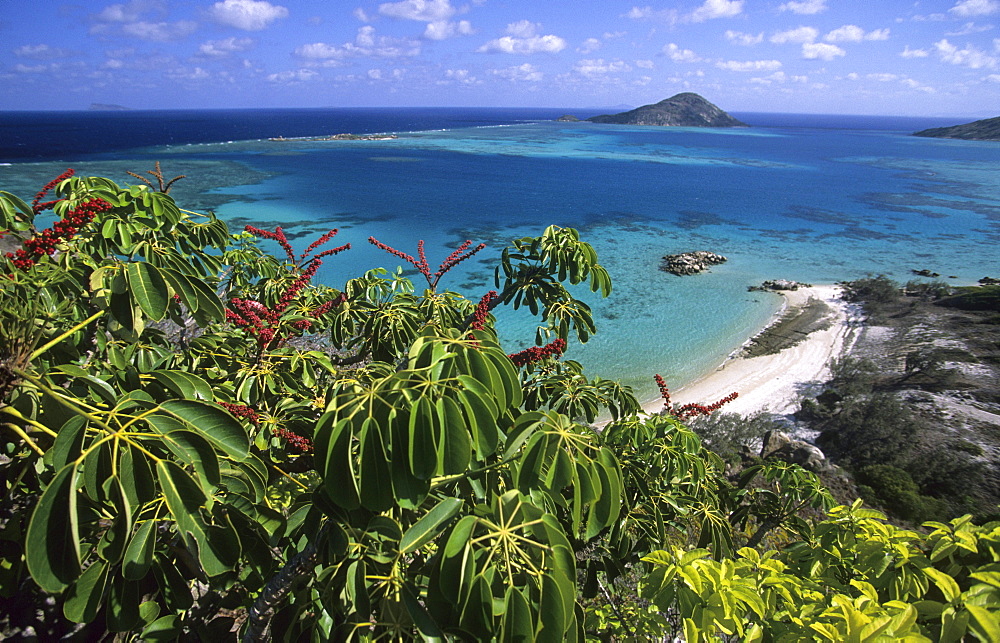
<point>690,263</point>
<point>987,129</point>
<point>683,110</point>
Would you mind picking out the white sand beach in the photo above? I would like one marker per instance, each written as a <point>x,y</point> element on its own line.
<point>774,382</point>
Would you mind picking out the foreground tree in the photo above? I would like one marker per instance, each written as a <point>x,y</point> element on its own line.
<point>198,441</point>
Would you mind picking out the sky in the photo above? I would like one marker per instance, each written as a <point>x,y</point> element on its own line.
<point>930,58</point>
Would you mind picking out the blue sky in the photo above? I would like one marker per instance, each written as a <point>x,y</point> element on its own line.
<point>929,57</point>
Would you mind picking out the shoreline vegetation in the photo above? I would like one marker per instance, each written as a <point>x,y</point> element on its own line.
<point>335,137</point>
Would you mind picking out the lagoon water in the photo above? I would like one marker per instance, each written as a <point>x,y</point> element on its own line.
<point>810,198</point>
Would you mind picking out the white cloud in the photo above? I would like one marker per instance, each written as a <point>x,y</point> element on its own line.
<point>750,65</point>
<point>821,51</point>
<point>913,53</point>
<point>442,29</point>
<point>40,52</point>
<point>913,84</point>
<point>599,67</point>
<point>522,73</point>
<point>970,57</point>
<point>670,16</point>
<point>220,48</point>
<point>854,33</point>
<point>365,44</point>
<point>644,64</point>
<point>159,31</point>
<point>969,28</point>
<point>248,15</point>
<point>297,76</point>
<point>589,46</point>
<point>717,9</point>
<point>129,12</point>
<point>993,78</point>
<point>375,74</point>
<point>778,77</point>
<point>883,77</point>
<point>461,76</point>
<point>422,10</point>
<point>360,14</point>
<point>970,8</point>
<point>188,74</point>
<point>805,8</point>
<point>522,38</point>
<point>744,39</point>
<point>996,45</point>
<point>800,35</point>
<point>679,55</point>
<point>30,69</point>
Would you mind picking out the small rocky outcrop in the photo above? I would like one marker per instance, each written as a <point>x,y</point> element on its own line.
<point>989,281</point>
<point>779,445</point>
<point>924,272</point>
<point>690,263</point>
<point>568,118</point>
<point>775,285</point>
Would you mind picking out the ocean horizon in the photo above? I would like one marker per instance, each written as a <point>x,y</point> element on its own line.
<point>812,198</point>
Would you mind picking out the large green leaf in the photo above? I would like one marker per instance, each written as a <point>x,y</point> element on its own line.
<point>214,423</point>
<point>86,595</point>
<point>430,524</point>
<point>139,553</point>
<point>149,289</point>
<point>52,542</point>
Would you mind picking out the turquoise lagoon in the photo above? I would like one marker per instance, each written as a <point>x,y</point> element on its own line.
<point>813,202</point>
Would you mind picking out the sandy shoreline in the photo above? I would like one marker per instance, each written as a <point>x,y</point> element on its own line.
<point>774,382</point>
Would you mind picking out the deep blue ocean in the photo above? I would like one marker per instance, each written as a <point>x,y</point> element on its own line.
<point>816,198</point>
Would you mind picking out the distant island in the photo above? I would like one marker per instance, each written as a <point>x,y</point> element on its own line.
<point>987,129</point>
<point>683,110</point>
<point>108,107</point>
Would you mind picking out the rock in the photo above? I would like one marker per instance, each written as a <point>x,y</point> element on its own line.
<point>568,118</point>
<point>925,273</point>
<point>690,263</point>
<point>989,281</point>
<point>779,445</point>
<point>779,284</point>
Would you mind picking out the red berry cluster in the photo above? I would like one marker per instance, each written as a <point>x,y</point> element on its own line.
<point>458,256</point>
<point>263,322</point>
<point>241,411</point>
<point>294,439</point>
<point>482,311</point>
<point>45,242</point>
<point>553,349</point>
<point>36,205</point>
<point>689,410</point>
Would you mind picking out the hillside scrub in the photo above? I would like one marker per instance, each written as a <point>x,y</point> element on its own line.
<point>292,460</point>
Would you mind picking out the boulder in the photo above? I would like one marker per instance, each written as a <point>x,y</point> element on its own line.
<point>779,445</point>
<point>690,263</point>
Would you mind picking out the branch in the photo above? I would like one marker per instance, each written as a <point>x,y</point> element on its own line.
<point>263,609</point>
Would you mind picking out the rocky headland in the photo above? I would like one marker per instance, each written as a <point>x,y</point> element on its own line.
<point>683,110</point>
<point>987,129</point>
<point>690,263</point>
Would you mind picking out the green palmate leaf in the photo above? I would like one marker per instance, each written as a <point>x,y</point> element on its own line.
<point>430,525</point>
<point>455,445</point>
<point>214,423</point>
<point>374,477</point>
<point>148,288</point>
<point>52,542</point>
<point>183,496</point>
<point>187,385</point>
<point>136,477</point>
<point>112,544</point>
<point>209,308</point>
<point>139,553</point>
<point>423,434</point>
<point>69,442</point>
<point>123,605</point>
<point>428,629</point>
<point>335,460</point>
<point>517,625</point>
<point>165,628</point>
<point>86,595</point>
